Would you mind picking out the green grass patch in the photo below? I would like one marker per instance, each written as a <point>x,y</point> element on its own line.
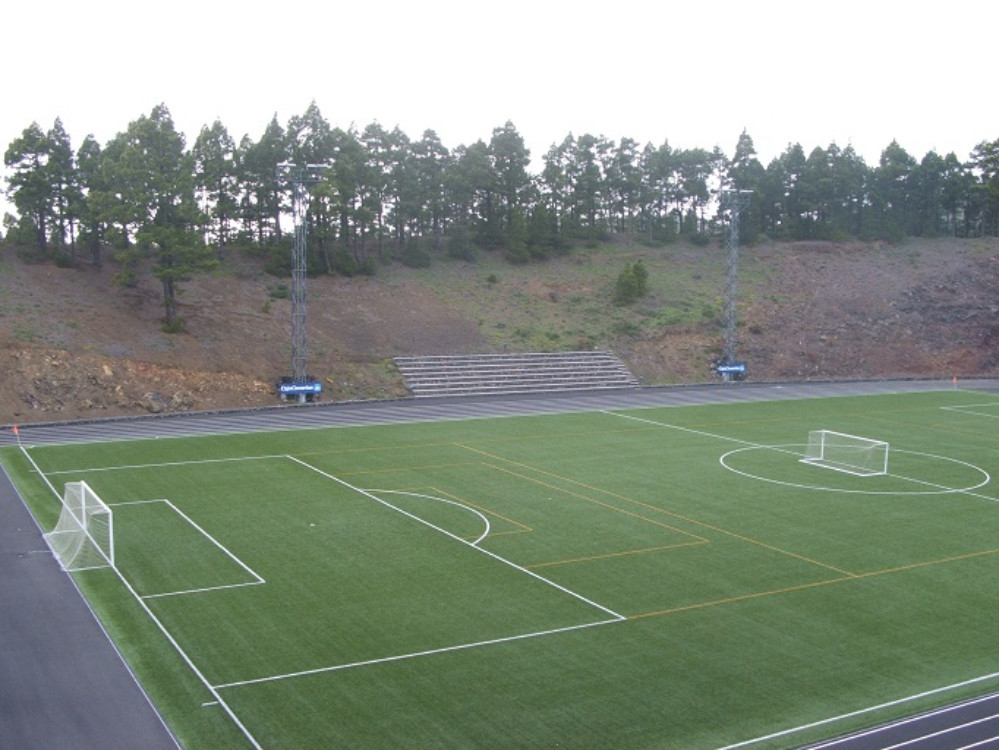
<point>516,306</point>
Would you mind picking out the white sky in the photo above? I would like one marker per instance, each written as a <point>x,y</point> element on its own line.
<point>694,73</point>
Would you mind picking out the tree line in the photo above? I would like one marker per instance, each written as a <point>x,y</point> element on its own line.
<point>381,196</point>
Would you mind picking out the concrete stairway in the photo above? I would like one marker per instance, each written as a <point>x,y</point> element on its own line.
<point>484,374</point>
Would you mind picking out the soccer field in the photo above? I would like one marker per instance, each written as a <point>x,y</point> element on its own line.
<point>662,577</point>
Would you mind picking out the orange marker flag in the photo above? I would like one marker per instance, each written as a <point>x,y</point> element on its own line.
<point>15,429</point>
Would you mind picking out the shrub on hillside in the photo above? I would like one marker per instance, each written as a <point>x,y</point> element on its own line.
<point>632,283</point>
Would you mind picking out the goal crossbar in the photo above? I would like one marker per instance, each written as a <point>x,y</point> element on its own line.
<point>83,537</point>
<point>851,454</point>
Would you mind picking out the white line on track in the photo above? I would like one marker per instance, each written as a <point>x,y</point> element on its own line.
<point>872,709</point>
<point>941,733</point>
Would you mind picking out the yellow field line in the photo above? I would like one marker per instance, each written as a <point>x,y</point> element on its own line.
<point>489,511</point>
<point>740,598</point>
<point>375,448</point>
<point>695,522</point>
<point>614,508</point>
<point>396,469</point>
<point>815,584</point>
<point>451,444</point>
<point>625,553</point>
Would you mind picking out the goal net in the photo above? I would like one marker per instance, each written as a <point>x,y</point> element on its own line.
<point>83,537</point>
<point>852,454</point>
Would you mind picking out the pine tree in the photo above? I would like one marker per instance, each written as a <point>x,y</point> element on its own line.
<point>165,209</point>
<point>30,187</point>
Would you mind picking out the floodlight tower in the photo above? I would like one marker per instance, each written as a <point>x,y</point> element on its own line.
<point>299,178</point>
<point>734,201</point>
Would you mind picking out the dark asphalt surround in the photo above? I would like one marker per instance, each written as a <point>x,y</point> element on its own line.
<point>64,684</point>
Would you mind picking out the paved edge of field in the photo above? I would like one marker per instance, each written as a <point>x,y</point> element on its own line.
<point>68,686</point>
<point>64,683</point>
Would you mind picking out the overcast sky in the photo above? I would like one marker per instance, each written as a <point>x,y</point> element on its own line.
<point>693,73</point>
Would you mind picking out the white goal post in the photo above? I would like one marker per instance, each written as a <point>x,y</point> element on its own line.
<point>860,456</point>
<point>83,537</point>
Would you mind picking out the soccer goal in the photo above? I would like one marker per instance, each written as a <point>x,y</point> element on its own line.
<point>852,454</point>
<point>83,537</point>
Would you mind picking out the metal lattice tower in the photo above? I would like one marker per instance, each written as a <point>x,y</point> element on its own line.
<point>299,177</point>
<point>734,201</point>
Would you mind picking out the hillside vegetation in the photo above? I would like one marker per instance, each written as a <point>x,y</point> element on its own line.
<point>76,346</point>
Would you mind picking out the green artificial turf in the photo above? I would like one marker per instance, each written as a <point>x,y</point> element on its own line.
<point>670,577</point>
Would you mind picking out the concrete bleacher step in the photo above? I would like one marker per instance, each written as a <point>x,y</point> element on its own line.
<point>521,373</point>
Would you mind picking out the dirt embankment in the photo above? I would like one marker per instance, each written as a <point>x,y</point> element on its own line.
<point>73,345</point>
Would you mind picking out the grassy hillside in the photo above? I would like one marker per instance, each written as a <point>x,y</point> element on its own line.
<point>78,346</point>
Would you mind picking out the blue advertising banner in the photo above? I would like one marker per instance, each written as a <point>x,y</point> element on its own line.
<point>731,367</point>
<point>310,386</point>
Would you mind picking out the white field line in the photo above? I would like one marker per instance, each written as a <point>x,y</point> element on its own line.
<point>971,409</point>
<point>749,444</point>
<point>416,654</point>
<point>615,617</point>
<point>166,634</point>
<point>457,538</point>
<point>872,709</point>
<point>44,478</point>
<point>702,433</point>
<point>206,589</point>
<point>692,431</point>
<point>258,579</point>
<point>217,543</point>
<point>861,712</point>
<point>485,521</point>
<point>938,489</point>
<point>944,490</point>
<point>166,464</point>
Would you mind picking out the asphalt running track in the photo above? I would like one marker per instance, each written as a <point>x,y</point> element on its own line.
<point>65,685</point>
<point>969,724</point>
<point>429,409</point>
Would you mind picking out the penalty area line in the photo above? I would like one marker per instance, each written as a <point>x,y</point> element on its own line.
<point>548,582</point>
<point>414,655</point>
